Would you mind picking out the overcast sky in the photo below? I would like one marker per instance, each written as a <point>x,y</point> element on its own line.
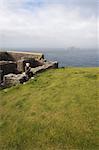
<point>49,23</point>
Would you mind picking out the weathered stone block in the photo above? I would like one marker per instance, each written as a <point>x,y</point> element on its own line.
<point>8,67</point>
<point>46,66</point>
<point>15,56</point>
<point>1,76</point>
<point>13,79</point>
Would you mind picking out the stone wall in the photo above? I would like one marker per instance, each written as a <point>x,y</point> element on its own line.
<point>44,67</point>
<point>11,60</point>
<point>15,56</point>
<point>8,67</point>
<point>4,56</point>
<point>13,63</point>
<point>13,79</point>
<point>33,64</point>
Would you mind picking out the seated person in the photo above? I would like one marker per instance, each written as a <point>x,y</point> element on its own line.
<point>28,71</point>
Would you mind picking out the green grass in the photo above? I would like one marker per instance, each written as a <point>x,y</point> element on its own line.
<point>59,110</point>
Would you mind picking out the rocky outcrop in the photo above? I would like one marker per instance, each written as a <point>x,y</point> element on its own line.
<point>46,66</point>
<point>15,56</point>
<point>33,63</point>
<point>13,63</point>
<point>13,79</point>
<point>8,67</point>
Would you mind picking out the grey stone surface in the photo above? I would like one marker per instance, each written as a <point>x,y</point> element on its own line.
<point>13,79</point>
<point>8,67</point>
<point>16,55</point>
<point>46,66</point>
<point>33,63</point>
<point>13,63</point>
<point>1,76</point>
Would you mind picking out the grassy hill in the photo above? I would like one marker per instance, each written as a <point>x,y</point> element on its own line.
<point>58,110</point>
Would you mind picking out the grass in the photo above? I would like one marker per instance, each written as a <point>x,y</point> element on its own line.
<point>59,110</point>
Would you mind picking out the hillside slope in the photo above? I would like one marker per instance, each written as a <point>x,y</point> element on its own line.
<point>56,111</point>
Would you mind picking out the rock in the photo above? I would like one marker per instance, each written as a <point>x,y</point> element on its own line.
<point>22,78</point>
<point>13,79</point>
<point>12,64</point>
<point>47,65</point>
<point>1,76</point>
<point>8,67</point>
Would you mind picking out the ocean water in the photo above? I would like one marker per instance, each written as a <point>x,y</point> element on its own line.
<point>70,57</point>
<point>77,58</point>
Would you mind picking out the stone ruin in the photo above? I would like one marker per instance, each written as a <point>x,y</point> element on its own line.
<point>12,66</point>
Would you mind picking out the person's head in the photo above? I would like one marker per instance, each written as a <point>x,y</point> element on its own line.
<point>27,64</point>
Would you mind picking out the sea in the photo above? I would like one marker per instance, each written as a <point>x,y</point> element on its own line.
<point>70,57</point>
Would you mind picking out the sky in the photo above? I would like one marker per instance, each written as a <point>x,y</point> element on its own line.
<point>49,23</point>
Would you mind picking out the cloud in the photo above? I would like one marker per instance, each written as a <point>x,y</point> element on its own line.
<point>30,23</point>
